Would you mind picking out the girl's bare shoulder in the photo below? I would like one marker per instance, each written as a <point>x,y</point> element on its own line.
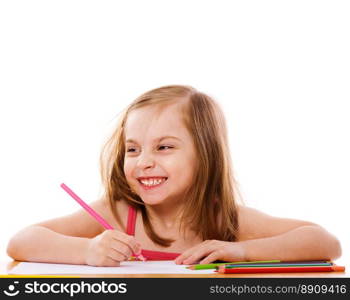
<point>82,224</point>
<point>255,224</point>
<point>103,206</point>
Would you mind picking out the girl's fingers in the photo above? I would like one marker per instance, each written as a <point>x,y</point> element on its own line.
<point>228,251</point>
<point>128,240</point>
<point>186,254</point>
<point>122,248</point>
<point>192,255</point>
<point>210,258</point>
<point>197,255</point>
<point>109,262</point>
<point>116,255</point>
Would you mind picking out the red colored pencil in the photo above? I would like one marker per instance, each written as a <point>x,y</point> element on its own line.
<point>224,270</point>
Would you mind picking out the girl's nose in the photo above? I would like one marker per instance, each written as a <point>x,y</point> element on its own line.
<point>145,161</point>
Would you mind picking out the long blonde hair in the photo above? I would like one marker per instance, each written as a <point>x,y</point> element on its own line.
<point>210,206</point>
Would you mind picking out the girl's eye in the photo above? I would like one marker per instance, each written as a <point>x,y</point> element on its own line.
<point>163,147</point>
<point>134,149</point>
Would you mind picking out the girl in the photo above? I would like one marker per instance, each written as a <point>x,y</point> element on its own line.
<point>169,186</point>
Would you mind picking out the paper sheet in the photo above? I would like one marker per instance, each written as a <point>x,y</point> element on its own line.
<point>128,267</point>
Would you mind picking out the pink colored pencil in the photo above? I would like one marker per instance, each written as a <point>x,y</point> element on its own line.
<point>92,212</point>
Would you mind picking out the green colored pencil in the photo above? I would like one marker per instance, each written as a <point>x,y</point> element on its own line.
<point>213,266</point>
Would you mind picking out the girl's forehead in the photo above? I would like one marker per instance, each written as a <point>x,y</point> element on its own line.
<point>154,114</point>
<point>154,121</point>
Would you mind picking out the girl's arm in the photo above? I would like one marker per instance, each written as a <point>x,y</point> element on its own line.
<point>77,239</point>
<point>37,243</point>
<point>263,237</point>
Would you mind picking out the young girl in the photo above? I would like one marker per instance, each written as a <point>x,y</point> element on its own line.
<point>170,194</point>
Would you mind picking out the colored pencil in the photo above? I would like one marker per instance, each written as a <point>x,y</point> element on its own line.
<point>277,265</point>
<point>92,212</point>
<point>215,265</point>
<point>333,268</point>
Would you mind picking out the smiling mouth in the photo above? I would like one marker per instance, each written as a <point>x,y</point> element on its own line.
<point>152,182</point>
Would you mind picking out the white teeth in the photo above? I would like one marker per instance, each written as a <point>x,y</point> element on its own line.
<point>152,182</point>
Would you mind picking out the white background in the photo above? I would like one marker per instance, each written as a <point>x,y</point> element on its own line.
<point>279,69</point>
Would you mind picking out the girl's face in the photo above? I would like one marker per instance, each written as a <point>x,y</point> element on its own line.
<point>159,154</point>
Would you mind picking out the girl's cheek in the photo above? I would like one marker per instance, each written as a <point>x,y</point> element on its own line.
<point>128,170</point>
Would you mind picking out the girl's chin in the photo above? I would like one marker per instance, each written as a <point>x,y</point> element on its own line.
<point>152,201</point>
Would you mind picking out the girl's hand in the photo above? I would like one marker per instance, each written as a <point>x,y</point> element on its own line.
<point>212,250</point>
<point>111,247</point>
